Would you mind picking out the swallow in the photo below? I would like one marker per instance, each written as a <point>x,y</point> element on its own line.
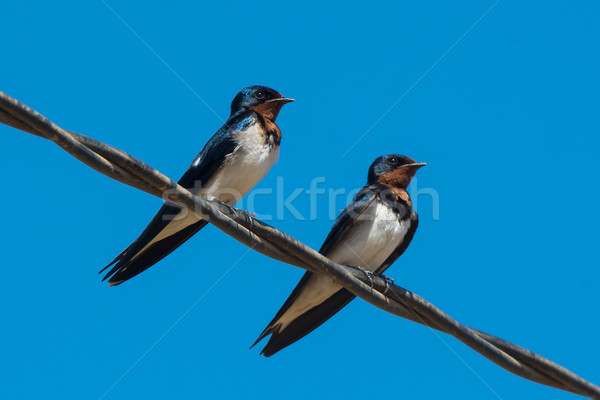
<point>371,233</point>
<point>231,163</point>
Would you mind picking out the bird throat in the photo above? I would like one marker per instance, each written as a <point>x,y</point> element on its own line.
<point>269,110</point>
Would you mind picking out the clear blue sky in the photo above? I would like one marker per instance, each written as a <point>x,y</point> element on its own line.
<point>507,122</point>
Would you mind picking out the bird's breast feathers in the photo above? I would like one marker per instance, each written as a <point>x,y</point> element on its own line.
<point>372,239</point>
<point>244,167</point>
<point>368,243</point>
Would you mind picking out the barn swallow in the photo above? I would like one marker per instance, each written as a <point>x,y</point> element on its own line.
<point>231,163</point>
<point>371,233</point>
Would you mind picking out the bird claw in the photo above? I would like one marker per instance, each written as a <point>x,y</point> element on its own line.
<point>231,208</point>
<point>248,214</point>
<point>234,210</point>
<point>388,281</point>
<point>368,274</point>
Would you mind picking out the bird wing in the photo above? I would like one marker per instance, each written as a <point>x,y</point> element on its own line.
<point>170,228</point>
<point>310,320</point>
<point>211,157</point>
<point>348,218</point>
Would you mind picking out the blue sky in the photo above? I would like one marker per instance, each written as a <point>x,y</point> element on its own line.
<point>507,122</point>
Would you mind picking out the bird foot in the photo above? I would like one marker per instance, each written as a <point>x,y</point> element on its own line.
<point>251,217</point>
<point>231,208</point>
<point>234,210</point>
<point>368,274</point>
<point>388,281</point>
<point>248,214</point>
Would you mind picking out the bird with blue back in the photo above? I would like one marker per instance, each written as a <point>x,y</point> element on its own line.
<point>370,233</point>
<point>231,163</point>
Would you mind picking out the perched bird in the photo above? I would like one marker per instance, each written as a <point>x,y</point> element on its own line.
<point>231,163</point>
<point>371,232</point>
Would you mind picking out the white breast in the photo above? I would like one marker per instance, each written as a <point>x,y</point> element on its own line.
<point>243,168</point>
<point>368,244</point>
<point>372,240</point>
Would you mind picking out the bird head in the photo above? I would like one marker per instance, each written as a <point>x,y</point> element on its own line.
<point>263,100</point>
<point>393,170</point>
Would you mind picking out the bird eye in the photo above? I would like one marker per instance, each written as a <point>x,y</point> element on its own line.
<point>393,161</point>
<point>259,95</point>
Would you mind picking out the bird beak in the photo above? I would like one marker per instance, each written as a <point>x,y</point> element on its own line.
<point>416,165</point>
<point>283,100</point>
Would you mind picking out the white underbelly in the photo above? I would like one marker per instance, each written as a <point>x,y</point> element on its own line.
<point>367,245</point>
<point>372,241</point>
<point>241,171</point>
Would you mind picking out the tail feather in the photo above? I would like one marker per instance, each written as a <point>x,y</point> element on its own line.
<point>117,258</point>
<point>269,329</point>
<point>130,263</point>
<point>303,325</point>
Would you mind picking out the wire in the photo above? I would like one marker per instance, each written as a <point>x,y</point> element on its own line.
<point>273,243</point>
